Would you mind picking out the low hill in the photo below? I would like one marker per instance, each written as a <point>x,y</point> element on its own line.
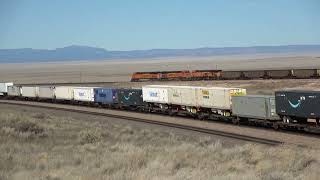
<point>78,53</point>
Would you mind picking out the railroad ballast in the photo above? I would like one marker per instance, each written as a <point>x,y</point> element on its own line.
<point>285,109</point>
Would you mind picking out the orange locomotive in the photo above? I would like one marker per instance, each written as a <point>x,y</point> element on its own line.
<point>177,75</point>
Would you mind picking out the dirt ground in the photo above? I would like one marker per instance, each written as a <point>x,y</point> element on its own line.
<point>121,70</point>
<point>54,145</point>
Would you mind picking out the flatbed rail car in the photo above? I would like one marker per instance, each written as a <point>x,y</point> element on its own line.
<point>226,75</point>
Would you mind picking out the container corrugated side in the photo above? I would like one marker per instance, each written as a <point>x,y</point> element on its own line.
<point>105,95</point>
<point>183,95</point>
<point>84,94</point>
<point>64,92</point>
<point>300,104</point>
<point>130,97</point>
<point>259,107</point>
<point>30,91</point>
<point>4,87</point>
<point>155,94</point>
<point>14,90</point>
<point>47,92</point>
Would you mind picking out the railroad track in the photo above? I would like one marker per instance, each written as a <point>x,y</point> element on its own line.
<point>167,124</point>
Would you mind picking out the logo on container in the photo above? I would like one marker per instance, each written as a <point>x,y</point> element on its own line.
<point>298,104</point>
<point>82,94</point>
<point>153,94</point>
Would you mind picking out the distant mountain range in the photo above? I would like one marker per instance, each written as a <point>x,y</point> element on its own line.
<point>78,53</point>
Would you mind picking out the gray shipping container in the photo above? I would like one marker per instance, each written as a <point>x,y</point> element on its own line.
<point>255,107</point>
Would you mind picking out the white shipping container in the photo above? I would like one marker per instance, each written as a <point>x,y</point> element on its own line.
<point>30,91</point>
<point>183,95</point>
<point>14,91</point>
<point>84,94</point>
<point>156,94</point>
<point>208,97</point>
<point>64,92</point>
<point>217,97</point>
<point>4,87</point>
<point>46,92</point>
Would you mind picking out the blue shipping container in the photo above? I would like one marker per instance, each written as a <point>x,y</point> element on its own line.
<point>105,96</point>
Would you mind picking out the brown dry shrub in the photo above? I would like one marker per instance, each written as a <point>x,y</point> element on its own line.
<point>21,126</point>
<point>89,136</point>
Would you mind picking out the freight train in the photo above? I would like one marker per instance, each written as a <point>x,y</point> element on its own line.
<point>226,75</point>
<point>287,109</point>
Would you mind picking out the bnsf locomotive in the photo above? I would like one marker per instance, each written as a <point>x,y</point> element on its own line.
<point>287,109</point>
<point>226,75</point>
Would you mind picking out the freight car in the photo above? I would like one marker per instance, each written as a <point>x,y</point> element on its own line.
<point>298,106</point>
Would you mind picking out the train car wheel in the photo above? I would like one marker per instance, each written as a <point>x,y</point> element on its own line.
<point>236,121</point>
<point>275,126</point>
<point>201,116</point>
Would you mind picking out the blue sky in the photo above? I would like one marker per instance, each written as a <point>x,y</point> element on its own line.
<point>147,24</point>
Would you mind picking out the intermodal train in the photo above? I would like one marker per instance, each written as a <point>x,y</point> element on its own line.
<point>226,75</point>
<point>286,109</point>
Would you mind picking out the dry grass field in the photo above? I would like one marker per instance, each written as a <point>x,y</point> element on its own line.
<point>57,146</point>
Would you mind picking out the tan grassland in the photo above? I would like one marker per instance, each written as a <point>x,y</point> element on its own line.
<point>35,145</point>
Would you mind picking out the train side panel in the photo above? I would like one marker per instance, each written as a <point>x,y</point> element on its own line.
<point>217,97</point>
<point>105,96</point>
<point>46,92</point>
<point>4,87</point>
<point>279,74</point>
<point>84,94</point>
<point>298,104</point>
<point>231,75</point>
<point>254,74</point>
<point>130,97</point>
<point>258,107</point>
<point>14,91</point>
<point>156,94</point>
<point>64,93</point>
<point>30,91</point>
<point>304,73</point>
<point>183,95</point>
